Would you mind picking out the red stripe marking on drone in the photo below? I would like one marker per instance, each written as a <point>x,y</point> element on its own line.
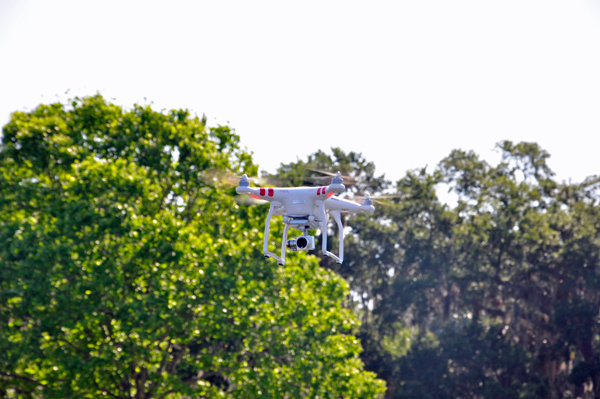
<point>323,190</point>
<point>262,191</point>
<point>329,195</point>
<point>271,192</point>
<point>319,191</point>
<point>254,196</point>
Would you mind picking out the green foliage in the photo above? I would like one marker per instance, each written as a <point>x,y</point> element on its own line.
<point>125,274</point>
<point>398,343</point>
<point>501,291</point>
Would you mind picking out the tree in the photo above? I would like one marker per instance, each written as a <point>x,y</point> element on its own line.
<point>496,296</point>
<point>127,273</point>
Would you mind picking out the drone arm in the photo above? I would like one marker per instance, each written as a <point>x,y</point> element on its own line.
<point>266,243</point>
<point>255,192</point>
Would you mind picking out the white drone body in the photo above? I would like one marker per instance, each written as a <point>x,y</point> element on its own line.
<point>304,209</point>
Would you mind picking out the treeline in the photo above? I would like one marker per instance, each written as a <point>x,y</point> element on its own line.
<point>128,270</point>
<point>495,296</point>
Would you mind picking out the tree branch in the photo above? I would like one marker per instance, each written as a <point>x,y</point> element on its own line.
<point>21,377</point>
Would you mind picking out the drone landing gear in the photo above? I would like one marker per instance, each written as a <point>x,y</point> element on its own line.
<point>337,217</point>
<point>324,217</point>
<point>280,261</point>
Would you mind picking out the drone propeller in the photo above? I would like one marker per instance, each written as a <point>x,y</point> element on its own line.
<point>214,176</point>
<point>247,200</point>
<point>376,198</point>
<point>266,181</point>
<point>348,180</point>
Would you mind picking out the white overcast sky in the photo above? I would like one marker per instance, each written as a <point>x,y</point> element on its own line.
<point>403,82</point>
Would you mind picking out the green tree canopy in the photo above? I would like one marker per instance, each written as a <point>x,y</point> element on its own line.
<point>126,273</point>
<point>495,296</point>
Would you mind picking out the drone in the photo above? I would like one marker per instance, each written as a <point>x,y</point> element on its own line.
<point>305,209</point>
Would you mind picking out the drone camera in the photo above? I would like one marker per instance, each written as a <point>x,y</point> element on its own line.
<point>302,243</point>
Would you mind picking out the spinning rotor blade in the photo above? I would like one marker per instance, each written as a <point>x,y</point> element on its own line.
<point>320,180</point>
<point>383,196</point>
<point>215,176</point>
<point>376,198</point>
<point>347,179</point>
<point>247,200</point>
<point>266,181</point>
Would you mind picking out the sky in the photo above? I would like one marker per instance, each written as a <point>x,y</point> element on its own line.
<point>402,82</point>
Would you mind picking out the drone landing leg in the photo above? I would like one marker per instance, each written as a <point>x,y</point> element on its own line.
<point>266,243</point>
<point>283,242</point>
<point>338,220</point>
<point>325,218</point>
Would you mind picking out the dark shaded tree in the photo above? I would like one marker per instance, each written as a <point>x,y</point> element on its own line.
<point>498,293</point>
